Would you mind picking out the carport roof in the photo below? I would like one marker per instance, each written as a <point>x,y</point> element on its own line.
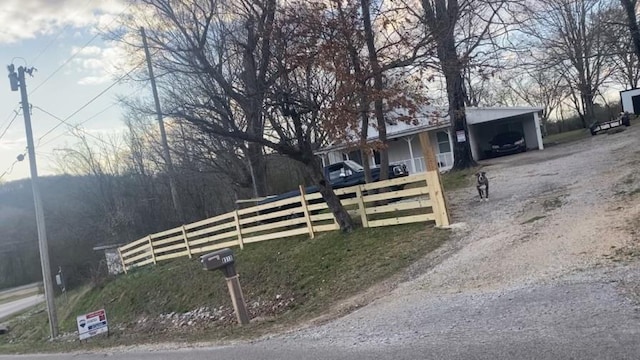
<point>433,118</point>
<point>477,115</point>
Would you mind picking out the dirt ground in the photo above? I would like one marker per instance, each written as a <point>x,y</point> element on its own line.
<point>552,212</point>
<point>568,208</point>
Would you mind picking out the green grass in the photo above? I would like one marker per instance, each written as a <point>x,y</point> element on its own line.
<point>459,178</point>
<point>316,273</point>
<point>566,137</point>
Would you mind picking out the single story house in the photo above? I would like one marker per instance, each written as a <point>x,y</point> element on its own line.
<point>483,124</point>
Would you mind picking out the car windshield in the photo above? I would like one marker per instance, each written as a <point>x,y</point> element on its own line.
<point>506,138</point>
<point>354,165</point>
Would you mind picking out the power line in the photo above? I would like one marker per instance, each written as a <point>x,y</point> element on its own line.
<point>77,52</point>
<point>9,125</point>
<point>64,64</point>
<point>62,31</point>
<point>71,126</point>
<point>89,102</point>
<point>8,171</point>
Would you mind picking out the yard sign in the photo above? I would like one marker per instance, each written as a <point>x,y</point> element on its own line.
<point>92,324</point>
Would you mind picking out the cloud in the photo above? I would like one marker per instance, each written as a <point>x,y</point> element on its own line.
<point>27,19</point>
<point>100,65</point>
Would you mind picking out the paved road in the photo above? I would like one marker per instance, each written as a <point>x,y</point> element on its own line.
<point>585,316</point>
<point>13,307</point>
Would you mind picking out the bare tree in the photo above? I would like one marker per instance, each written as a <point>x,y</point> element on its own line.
<point>632,21</point>
<point>229,66</point>
<point>570,35</point>
<point>455,48</point>
<point>623,59</point>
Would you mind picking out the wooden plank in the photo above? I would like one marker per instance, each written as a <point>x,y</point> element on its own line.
<point>153,255</point>
<point>137,257</point>
<point>316,207</point>
<point>145,248</point>
<point>394,182</point>
<point>396,194</point>
<point>402,220</point>
<point>236,219</point>
<point>215,246</point>
<point>169,248</point>
<point>352,201</point>
<point>132,244</point>
<point>212,229</point>
<point>230,234</point>
<point>146,262</point>
<point>345,191</point>
<point>165,233</point>
<point>434,184</point>
<point>275,214</point>
<point>186,241</point>
<point>305,211</point>
<point>437,197</point>
<point>314,196</point>
<point>124,266</point>
<point>168,240</point>
<point>275,204</point>
<point>208,221</point>
<point>172,256</point>
<point>362,209</point>
<point>430,162</point>
<point>409,205</point>
<point>328,227</point>
<point>321,217</point>
<point>274,226</point>
<point>278,235</point>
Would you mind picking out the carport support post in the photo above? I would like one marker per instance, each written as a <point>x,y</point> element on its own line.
<point>239,306</point>
<point>434,184</point>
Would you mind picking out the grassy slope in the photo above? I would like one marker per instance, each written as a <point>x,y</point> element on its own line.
<point>315,273</point>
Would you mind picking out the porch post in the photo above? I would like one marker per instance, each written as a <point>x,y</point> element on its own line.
<point>413,161</point>
<point>536,123</point>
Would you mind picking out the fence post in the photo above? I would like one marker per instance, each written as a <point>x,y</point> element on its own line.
<point>361,207</point>
<point>236,217</point>
<point>153,253</point>
<point>186,241</point>
<point>434,185</point>
<point>305,210</point>
<point>124,266</point>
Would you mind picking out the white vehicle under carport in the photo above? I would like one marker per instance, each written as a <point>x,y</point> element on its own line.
<point>506,143</point>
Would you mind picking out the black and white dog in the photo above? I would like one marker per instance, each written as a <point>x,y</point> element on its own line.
<point>482,184</point>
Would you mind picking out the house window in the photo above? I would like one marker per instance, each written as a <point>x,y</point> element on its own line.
<point>443,142</point>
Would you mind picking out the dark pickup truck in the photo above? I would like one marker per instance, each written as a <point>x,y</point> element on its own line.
<point>344,174</point>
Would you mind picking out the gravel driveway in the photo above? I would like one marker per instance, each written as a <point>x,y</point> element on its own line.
<point>547,269</point>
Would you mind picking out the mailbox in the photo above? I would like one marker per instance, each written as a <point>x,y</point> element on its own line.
<point>222,260</point>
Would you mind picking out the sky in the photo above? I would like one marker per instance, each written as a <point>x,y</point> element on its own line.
<point>64,40</point>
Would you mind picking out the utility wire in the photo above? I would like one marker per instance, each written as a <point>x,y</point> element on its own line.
<point>72,126</point>
<point>77,52</point>
<point>4,132</point>
<point>62,31</point>
<point>63,121</point>
<point>8,171</point>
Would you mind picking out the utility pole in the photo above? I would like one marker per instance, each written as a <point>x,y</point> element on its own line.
<point>163,134</point>
<point>18,81</point>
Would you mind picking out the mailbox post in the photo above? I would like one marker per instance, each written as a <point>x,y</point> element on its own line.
<point>224,260</point>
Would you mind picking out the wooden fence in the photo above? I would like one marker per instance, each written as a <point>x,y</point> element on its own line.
<point>416,198</point>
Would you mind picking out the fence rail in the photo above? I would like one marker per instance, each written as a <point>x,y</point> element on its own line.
<point>416,198</point>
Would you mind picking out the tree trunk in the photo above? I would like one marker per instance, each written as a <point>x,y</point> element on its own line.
<point>378,86</point>
<point>452,69</point>
<point>314,167</point>
<point>259,167</point>
<point>630,9</point>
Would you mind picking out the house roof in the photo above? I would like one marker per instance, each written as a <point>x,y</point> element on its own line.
<point>433,118</point>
